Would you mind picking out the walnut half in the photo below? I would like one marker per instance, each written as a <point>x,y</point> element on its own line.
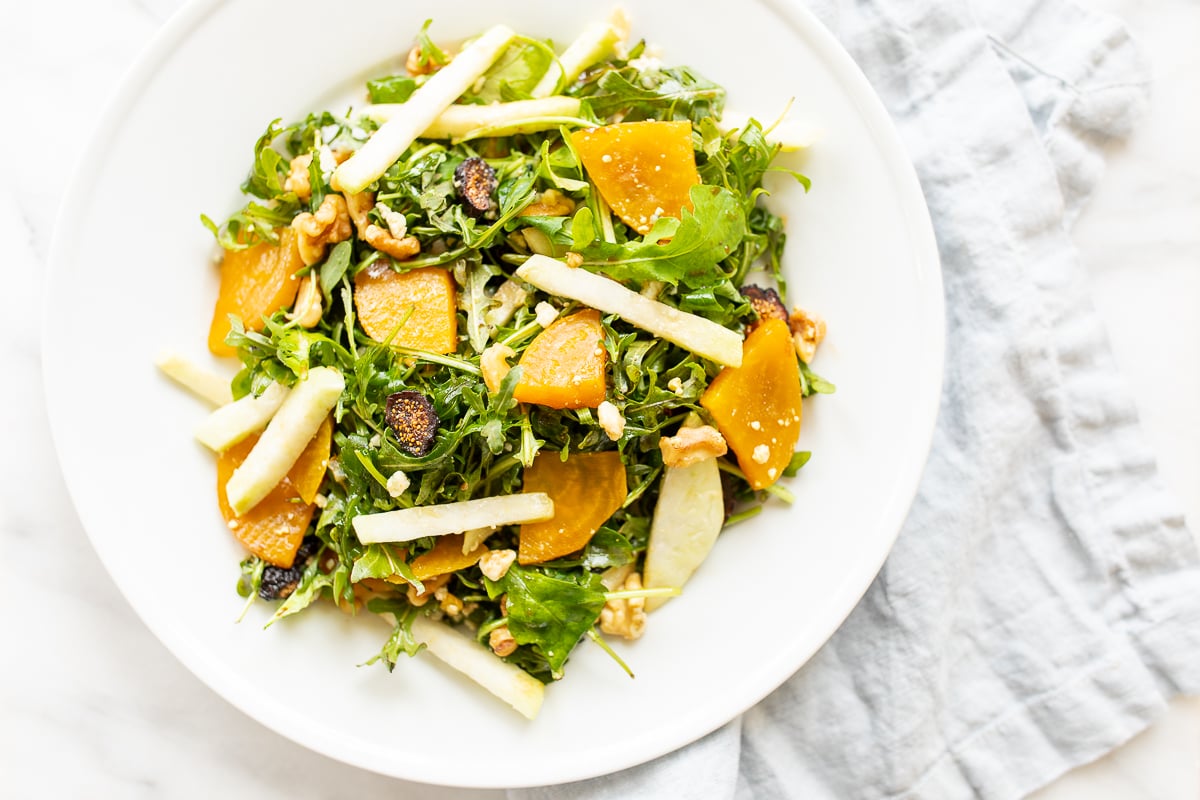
<point>625,617</point>
<point>400,248</point>
<point>692,445</point>
<point>315,232</point>
<point>808,330</point>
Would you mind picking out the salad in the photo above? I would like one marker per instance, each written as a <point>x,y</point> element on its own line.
<point>514,350</point>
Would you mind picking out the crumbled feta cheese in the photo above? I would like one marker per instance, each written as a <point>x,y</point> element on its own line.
<point>756,425</point>
<point>397,225</point>
<point>772,472</point>
<point>545,313</point>
<point>761,454</point>
<point>320,501</point>
<point>398,483</point>
<point>606,158</point>
<point>327,162</point>
<point>495,563</point>
<point>376,441</point>
<point>611,420</point>
<point>675,385</point>
<point>646,64</point>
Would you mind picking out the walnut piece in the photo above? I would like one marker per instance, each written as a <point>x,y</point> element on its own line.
<point>495,563</point>
<point>625,617</point>
<point>307,309</point>
<point>552,203</point>
<point>692,445</point>
<point>400,248</point>
<point>501,641</point>
<point>297,177</point>
<point>330,225</point>
<point>808,330</point>
<point>611,420</point>
<point>493,363</point>
<point>432,587</point>
<point>415,67</point>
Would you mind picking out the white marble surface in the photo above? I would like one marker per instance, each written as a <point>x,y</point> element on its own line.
<point>92,706</point>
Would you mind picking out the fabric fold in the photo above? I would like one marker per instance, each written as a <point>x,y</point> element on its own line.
<point>1042,602</point>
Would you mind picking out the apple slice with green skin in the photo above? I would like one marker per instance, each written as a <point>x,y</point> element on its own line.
<point>203,383</point>
<point>597,42</point>
<point>231,423</point>
<point>687,519</point>
<point>507,681</point>
<point>499,119</point>
<point>286,436</point>
<point>697,334</point>
<point>426,104</point>
<point>406,524</point>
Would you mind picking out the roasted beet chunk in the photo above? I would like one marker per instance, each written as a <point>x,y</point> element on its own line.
<point>411,417</point>
<point>278,583</point>
<point>475,181</point>
<point>766,303</point>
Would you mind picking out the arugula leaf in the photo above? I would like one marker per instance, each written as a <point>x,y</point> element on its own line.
<point>334,268</point>
<point>401,640</point>
<point>699,241</point>
<point>798,461</point>
<point>673,93</point>
<point>268,172</point>
<point>549,612</point>
<point>392,89</point>
<point>514,74</point>
<point>812,383</point>
<point>382,561</point>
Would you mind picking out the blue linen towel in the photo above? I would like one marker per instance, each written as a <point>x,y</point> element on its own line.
<point>1043,600</point>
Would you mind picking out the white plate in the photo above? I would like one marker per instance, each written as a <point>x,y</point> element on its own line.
<point>130,274</point>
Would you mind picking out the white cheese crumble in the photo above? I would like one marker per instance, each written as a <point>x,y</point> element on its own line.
<point>398,483</point>
<point>397,225</point>
<point>761,454</point>
<point>611,420</point>
<point>545,313</point>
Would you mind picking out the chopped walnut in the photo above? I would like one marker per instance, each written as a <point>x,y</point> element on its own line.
<point>415,67</point>
<point>692,445</point>
<point>611,420</point>
<point>574,260</point>
<point>493,363</point>
<point>330,225</point>
<point>495,563</point>
<point>451,606</point>
<point>808,330</point>
<point>400,247</point>
<point>297,177</point>
<point>432,586</point>
<point>501,641</point>
<point>625,617</point>
<point>307,309</point>
<point>552,203</point>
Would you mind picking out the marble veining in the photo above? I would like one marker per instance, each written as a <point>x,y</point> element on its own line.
<point>91,705</point>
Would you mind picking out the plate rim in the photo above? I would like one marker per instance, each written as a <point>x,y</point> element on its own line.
<point>895,507</point>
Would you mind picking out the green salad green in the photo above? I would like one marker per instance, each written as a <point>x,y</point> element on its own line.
<point>413,427</point>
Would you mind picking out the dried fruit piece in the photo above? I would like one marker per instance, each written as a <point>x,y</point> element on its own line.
<point>424,300</point>
<point>475,181</point>
<point>644,170</point>
<point>766,303</point>
<point>757,405</point>
<point>564,367</point>
<point>586,489</point>
<point>255,283</point>
<point>411,417</point>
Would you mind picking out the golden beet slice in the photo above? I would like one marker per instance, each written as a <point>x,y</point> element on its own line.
<point>757,405</point>
<point>644,170</point>
<point>255,282</point>
<point>445,557</point>
<point>274,528</point>
<point>586,489</point>
<point>564,367</point>
<point>383,298</point>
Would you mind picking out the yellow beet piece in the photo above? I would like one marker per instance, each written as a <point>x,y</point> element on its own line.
<point>644,170</point>
<point>564,366</point>
<point>274,528</point>
<point>757,405</point>
<point>586,489</point>
<point>445,557</point>
<point>384,297</point>
<point>255,282</point>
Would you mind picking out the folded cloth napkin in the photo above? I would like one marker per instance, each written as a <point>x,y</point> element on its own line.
<point>1043,599</point>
